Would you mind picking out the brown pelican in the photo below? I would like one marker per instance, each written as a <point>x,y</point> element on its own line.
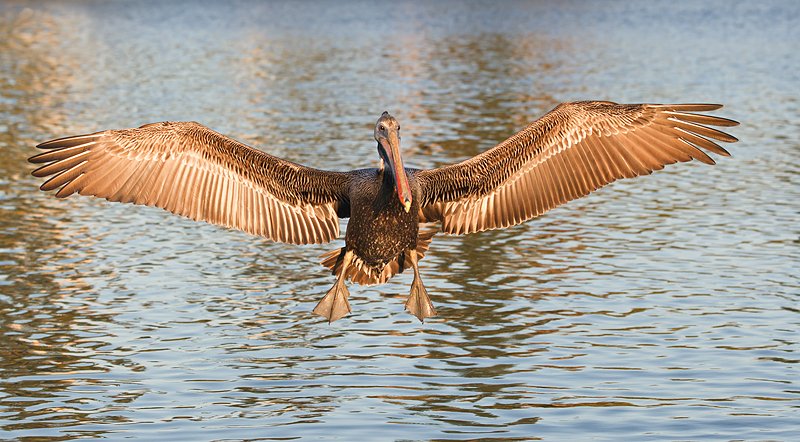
<point>188,169</point>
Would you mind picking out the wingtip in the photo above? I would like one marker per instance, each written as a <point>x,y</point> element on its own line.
<point>53,144</point>
<point>38,173</point>
<point>34,159</point>
<point>70,141</point>
<point>692,107</point>
<point>724,152</point>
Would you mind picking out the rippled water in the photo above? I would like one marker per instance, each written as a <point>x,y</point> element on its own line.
<point>659,308</point>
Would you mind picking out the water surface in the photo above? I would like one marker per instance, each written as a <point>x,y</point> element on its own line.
<point>662,308</point>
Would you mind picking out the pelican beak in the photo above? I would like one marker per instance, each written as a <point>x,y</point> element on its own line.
<point>391,145</point>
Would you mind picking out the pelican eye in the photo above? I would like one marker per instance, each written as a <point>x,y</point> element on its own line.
<point>382,128</point>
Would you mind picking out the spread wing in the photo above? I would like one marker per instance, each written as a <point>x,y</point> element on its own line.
<point>188,169</point>
<point>574,149</point>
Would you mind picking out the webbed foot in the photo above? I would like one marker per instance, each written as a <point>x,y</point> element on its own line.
<point>334,305</point>
<point>419,303</point>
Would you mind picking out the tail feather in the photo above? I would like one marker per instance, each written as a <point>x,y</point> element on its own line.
<point>360,273</point>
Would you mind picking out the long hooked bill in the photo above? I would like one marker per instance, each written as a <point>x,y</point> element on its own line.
<point>399,172</point>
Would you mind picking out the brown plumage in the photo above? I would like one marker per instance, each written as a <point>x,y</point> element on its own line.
<point>190,170</point>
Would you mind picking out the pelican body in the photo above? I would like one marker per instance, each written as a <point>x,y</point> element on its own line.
<point>190,170</point>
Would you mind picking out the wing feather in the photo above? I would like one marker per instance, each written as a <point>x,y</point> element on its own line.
<point>573,150</point>
<point>190,170</point>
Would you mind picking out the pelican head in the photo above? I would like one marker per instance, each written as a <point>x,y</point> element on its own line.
<point>387,134</point>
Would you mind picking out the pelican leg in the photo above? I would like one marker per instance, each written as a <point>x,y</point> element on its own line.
<point>334,304</point>
<point>418,303</point>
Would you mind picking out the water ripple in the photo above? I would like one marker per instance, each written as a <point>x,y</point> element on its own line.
<point>660,308</point>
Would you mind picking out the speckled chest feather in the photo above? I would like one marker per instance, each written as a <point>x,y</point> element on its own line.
<point>380,229</point>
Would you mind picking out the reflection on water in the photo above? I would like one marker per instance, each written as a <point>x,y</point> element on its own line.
<point>661,308</point>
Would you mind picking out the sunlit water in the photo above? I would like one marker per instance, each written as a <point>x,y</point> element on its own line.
<point>659,308</point>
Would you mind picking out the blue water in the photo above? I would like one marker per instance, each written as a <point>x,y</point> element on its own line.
<point>661,308</point>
